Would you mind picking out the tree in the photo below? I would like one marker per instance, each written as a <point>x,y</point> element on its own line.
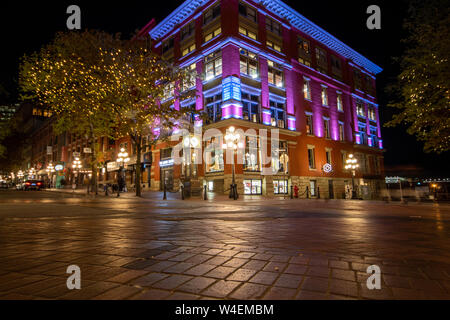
<point>68,75</point>
<point>422,89</point>
<point>139,80</point>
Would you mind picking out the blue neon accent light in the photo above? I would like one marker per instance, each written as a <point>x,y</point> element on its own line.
<point>231,89</point>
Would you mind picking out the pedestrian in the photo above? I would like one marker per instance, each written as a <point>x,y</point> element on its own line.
<point>295,191</point>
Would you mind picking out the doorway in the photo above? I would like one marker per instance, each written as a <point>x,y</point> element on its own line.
<point>331,189</point>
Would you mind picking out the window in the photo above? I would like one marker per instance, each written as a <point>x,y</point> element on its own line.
<point>246,32</point>
<point>321,60</point>
<point>324,96</point>
<point>190,77</point>
<point>273,26</point>
<point>168,91</point>
<point>165,153</point>
<point>341,131</point>
<point>370,88</point>
<point>311,157</point>
<point>214,108</point>
<point>212,34</point>
<point>339,104</point>
<point>309,124</point>
<point>343,159</point>
<point>252,187</point>
<point>248,63</point>
<point>336,67</point>
<point>251,156</point>
<point>280,186</point>
<point>312,187</point>
<point>214,155</point>
<point>167,45</point>
<point>188,30</point>
<point>275,72</point>
<point>277,115</point>
<point>360,109</point>
<point>372,115</point>
<point>326,127</point>
<point>247,12</point>
<point>304,52</point>
<point>211,14</point>
<point>213,65</point>
<point>357,79</point>
<point>306,89</point>
<point>273,45</point>
<point>250,107</point>
<point>280,158</point>
<point>188,49</point>
<point>328,155</point>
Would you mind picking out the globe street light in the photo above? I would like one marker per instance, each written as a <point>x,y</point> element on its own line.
<point>232,142</point>
<point>50,169</point>
<point>122,158</point>
<point>352,164</point>
<point>76,166</point>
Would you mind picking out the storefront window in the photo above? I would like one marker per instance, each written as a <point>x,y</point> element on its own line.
<point>280,158</point>
<point>251,156</point>
<point>252,187</point>
<point>214,155</point>
<point>280,186</point>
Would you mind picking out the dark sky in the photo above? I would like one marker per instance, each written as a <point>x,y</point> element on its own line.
<point>26,26</point>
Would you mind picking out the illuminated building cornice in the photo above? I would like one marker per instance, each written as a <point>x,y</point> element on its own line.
<point>282,10</point>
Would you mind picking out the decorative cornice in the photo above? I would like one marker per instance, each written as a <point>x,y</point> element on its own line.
<point>282,10</point>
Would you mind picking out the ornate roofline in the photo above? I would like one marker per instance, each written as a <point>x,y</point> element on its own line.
<point>282,10</point>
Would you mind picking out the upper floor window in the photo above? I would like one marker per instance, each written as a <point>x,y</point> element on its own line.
<point>324,96</point>
<point>250,107</point>
<point>211,14</point>
<point>311,157</point>
<point>339,103</point>
<point>273,45</point>
<point>321,60</point>
<point>273,26</point>
<point>304,52</point>
<point>167,45</point>
<point>275,72</point>
<point>360,109</point>
<point>309,124</point>
<point>214,155</point>
<point>307,88</point>
<point>326,127</point>
<point>370,88</point>
<point>213,65</point>
<point>214,108</point>
<point>277,114</point>
<point>357,79</point>
<point>190,77</point>
<point>280,158</point>
<point>341,131</point>
<point>251,156</point>
<point>328,155</point>
<point>212,34</point>
<point>248,63</point>
<point>247,12</point>
<point>168,90</point>
<point>246,32</point>
<point>188,49</point>
<point>188,30</point>
<point>336,67</point>
<point>372,114</point>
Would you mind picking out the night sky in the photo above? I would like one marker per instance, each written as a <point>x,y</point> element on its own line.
<point>25,27</point>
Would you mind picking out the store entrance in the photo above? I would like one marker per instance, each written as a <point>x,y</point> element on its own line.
<point>167,175</point>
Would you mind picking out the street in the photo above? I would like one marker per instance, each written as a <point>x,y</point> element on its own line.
<point>130,248</point>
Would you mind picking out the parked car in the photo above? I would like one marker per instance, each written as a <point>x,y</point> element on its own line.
<point>20,186</point>
<point>3,185</point>
<point>33,185</point>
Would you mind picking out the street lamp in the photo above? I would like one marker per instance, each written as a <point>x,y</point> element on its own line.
<point>352,164</point>
<point>122,158</point>
<point>232,142</point>
<point>76,166</point>
<point>50,169</point>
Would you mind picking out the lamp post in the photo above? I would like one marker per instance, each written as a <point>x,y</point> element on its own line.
<point>76,166</point>
<point>50,169</point>
<point>352,164</point>
<point>232,142</point>
<point>122,158</point>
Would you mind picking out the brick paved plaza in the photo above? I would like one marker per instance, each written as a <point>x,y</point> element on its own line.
<point>148,248</point>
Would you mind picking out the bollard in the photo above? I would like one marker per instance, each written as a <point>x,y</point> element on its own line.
<point>182,192</point>
<point>318,193</point>
<point>165,195</point>
<point>205,195</point>
<point>307,193</point>
<point>292,192</point>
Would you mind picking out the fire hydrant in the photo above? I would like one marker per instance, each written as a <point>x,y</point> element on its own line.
<point>296,191</point>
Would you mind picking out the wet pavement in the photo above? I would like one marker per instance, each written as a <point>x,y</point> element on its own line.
<point>130,248</point>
